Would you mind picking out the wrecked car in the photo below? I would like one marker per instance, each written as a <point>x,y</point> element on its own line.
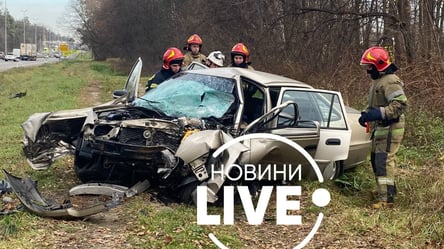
<point>166,135</point>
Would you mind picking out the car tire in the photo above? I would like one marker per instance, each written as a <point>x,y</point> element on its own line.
<point>334,170</point>
<point>188,193</point>
<point>92,169</point>
<point>92,166</point>
<point>88,167</point>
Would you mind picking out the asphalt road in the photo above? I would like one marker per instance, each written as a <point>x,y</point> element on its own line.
<point>6,65</point>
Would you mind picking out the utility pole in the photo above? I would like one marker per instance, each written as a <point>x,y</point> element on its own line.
<point>6,30</point>
<point>24,25</point>
<point>35,36</point>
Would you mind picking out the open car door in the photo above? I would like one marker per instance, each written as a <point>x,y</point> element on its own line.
<point>130,92</point>
<point>325,108</point>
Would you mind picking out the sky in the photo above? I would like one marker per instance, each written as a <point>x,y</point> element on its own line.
<point>48,13</point>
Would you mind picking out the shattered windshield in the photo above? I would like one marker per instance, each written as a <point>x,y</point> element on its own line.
<point>190,95</point>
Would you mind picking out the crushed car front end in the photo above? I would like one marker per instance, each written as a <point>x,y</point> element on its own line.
<point>124,146</point>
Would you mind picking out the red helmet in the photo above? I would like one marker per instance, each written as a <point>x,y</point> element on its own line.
<point>376,56</point>
<point>240,49</point>
<point>194,39</point>
<point>170,56</point>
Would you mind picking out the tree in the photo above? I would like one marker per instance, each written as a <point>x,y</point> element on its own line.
<point>298,38</point>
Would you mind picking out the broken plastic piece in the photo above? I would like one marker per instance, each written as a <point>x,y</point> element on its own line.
<point>28,194</point>
<point>109,189</point>
<point>98,189</point>
<point>5,187</point>
<point>138,188</point>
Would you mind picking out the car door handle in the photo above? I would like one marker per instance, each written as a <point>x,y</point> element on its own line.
<point>333,141</point>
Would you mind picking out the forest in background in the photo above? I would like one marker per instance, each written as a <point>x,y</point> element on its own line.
<point>319,42</point>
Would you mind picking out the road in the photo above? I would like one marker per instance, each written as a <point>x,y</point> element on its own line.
<point>6,65</point>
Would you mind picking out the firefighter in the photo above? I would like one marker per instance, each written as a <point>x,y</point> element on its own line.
<point>385,114</point>
<point>194,48</point>
<point>172,63</point>
<point>215,59</point>
<point>240,56</point>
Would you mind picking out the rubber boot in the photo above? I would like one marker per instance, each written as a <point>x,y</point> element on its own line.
<point>382,204</point>
<point>386,201</point>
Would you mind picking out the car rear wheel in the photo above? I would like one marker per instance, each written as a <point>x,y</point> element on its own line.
<point>333,170</point>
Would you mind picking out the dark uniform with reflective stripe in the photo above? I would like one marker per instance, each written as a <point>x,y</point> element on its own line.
<point>158,78</point>
<point>387,94</point>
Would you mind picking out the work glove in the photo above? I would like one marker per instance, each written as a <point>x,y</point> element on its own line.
<point>361,120</point>
<point>372,114</point>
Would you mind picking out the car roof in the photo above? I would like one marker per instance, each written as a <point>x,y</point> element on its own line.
<point>263,78</point>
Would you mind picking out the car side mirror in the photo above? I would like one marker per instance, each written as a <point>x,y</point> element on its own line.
<point>119,93</point>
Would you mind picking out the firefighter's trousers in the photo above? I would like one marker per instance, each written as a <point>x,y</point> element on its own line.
<point>385,143</point>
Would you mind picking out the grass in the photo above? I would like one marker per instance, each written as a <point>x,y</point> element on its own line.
<point>415,222</point>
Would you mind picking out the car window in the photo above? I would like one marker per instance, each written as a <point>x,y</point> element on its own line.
<point>324,108</point>
<point>191,95</point>
<point>195,65</point>
<point>254,101</point>
<point>274,95</point>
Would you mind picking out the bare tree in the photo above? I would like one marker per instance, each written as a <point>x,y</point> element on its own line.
<point>304,39</point>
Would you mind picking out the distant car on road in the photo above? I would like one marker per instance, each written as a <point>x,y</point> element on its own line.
<point>25,58</point>
<point>2,55</point>
<point>11,57</point>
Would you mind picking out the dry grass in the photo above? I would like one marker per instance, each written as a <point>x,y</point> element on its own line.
<point>143,222</point>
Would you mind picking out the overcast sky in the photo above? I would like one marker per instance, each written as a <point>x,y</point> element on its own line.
<point>49,13</point>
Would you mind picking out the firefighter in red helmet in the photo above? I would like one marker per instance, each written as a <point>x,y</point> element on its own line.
<point>240,56</point>
<point>194,48</point>
<point>387,104</point>
<point>172,63</point>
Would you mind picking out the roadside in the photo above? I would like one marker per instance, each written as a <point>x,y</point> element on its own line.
<point>90,95</point>
<point>144,222</point>
<point>107,230</point>
<point>335,232</point>
<point>6,65</point>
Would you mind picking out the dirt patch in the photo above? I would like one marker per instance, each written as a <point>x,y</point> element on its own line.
<point>107,230</point>
<point>104,231</point>
<point>90,95</point>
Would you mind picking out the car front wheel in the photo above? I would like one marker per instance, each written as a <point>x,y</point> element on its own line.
<point>89,167</point>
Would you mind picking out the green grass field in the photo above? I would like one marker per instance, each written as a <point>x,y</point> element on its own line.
<point>417,221</point>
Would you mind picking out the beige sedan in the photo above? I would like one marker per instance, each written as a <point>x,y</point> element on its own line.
<point>134,138</point>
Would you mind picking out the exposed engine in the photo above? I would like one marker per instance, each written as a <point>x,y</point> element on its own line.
<point>124,146</point>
